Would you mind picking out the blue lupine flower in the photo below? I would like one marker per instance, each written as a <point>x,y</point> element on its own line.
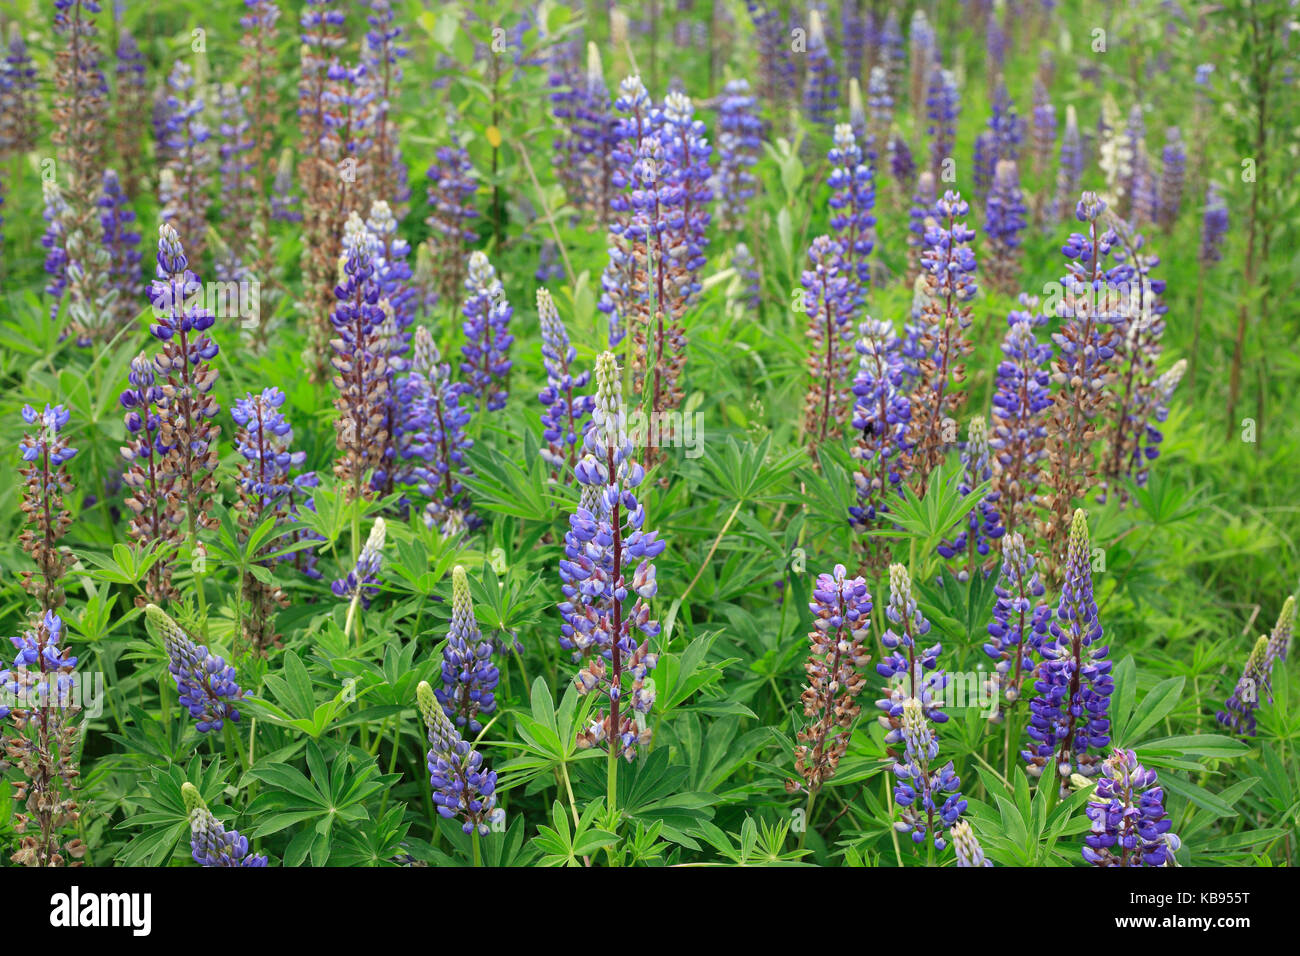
<point>1070,714</point>
<point>469,675</point>
<point>487,334</point>
<point>913,671</point>
<point>928,798</point>
<point>432,441</point>
<point>605,536</point>
<point>1173,170</point>
<point>563,420</point>
<point>828,300</point>
<point>1214,226</point>
<point>211,844</point>
<point>239,186</point>
<point>821,91</point>
<point>263,444</point>
<point>1020,620</point>
<point>182,190</point>
<point>943,105</point>
<point>207,685</point>
<point>853,197</point>
<point>1021,401</point>
<point>452,185</point>
<point>56,257</point>
<point>1005,221</point>
<point>361,584</point>
<point>1129,823</point>
<point>38,662</point>
<point>122,241</point>
<point>739,144</point>
<point>983,525</point>
<point>881,108</point>
<point>1043,133</point>
<point>1256,681</point>
<point>881,414</point>
<point>462,788</point>
<point>1069,172</point>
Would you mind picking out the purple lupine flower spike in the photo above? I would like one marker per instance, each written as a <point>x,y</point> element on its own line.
<point>881,415</point>
<point>486,351</point>
<point>983,525</point>
<point>122,241</point>
<point>452,185</point>
<point>911,670</point>
<point>208,686</point>
<point>943,105</point>
<point>928,797</point>
<point>361,583</point>
<point>45,452</point>
<point>462,788</point>
<point>1129,823</point>
<point>853,198</point>
<point>1021,401</point>
<point>1070,712</point>
<point>1005,221</point>
<point>211,844</point>
<point>432,441</point>
<point>182,190</point>
<point>1256,681</point>
<point>602,613</point>
<point>469,675</point>
<point>1019,625</point>
<point>821,86</point>
<point>156,512</point>
<point>564,418</point>
<point>828,302</point>
<point>1173,173</point>
<point>739,144</point>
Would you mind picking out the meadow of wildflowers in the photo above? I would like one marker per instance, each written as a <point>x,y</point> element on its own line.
<point>850,433</point>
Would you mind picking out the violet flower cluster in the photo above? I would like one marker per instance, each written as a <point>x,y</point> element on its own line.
<point>983,525</point>
<point>853,198</point>
<point>486,351</point>
<point>462,787</point>
<point>1129,824</point>
<point>1020,621</point>
<point>452,185</point>
<point>207,685</point>
<point>211,844</point>
<point>1021,399</point>
<point>361,583</point>
<point>564,412</point>
<point>739,145</point>
<point>821,92</point>
<point>1070,712</point>
<point>912,671</point>
<point>828,301</point>
<point>1256,681</point>
<point>432,441</point>
<point>882,414</point>
<point>469,675</point>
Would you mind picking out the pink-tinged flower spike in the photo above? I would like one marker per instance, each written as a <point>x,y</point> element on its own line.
<point>966,846</point>
<point>949,275</point>
<point>41,741</point>
<point>605,537</point>
<point>827,299</point>
<point>1129,823</point>
<point>45,452</point>
<point>79,111</point>
<point>186,412</point>
<point>211,844</point>
<point>837,658</point>
<point>565,414</point>
<point>1256,681</point>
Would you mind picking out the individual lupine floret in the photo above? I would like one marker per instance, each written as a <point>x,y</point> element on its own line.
<point>1005,221</point>
<point>265,493</point>
<point>360,363</point>
<point>1021,399</point>
<point>38,706</point>
<point>1094,294</point>
<point>156,509</point>
<point>1256,681</point>
<point>983,525</point>
<point>469,675</point>
<point>943,106</point>
<point>739,144</point>
<point>853,197</point>
<point>184,181</point>
<point>486,351</point>
<point>361,583</point>
<point>462,788</point>
<point>881,414</point>
<point>122,241</point>
<point>1129,823</point>
<point>600,544</point>
<point>928,797</point>
<point>1019,625</point>
<point>837,656</point>
<point>828,302</point>
<point>821,92</point>
<point>207,685</point>
<point>912,671</point>
<point>966,847</point>
<point>186,413</point>
<point>565,414</point>
<point>1070,713</point>
<point>452,185</point>
<point>949,276</point>
<point>211,844</point>
<point>45,454</point>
